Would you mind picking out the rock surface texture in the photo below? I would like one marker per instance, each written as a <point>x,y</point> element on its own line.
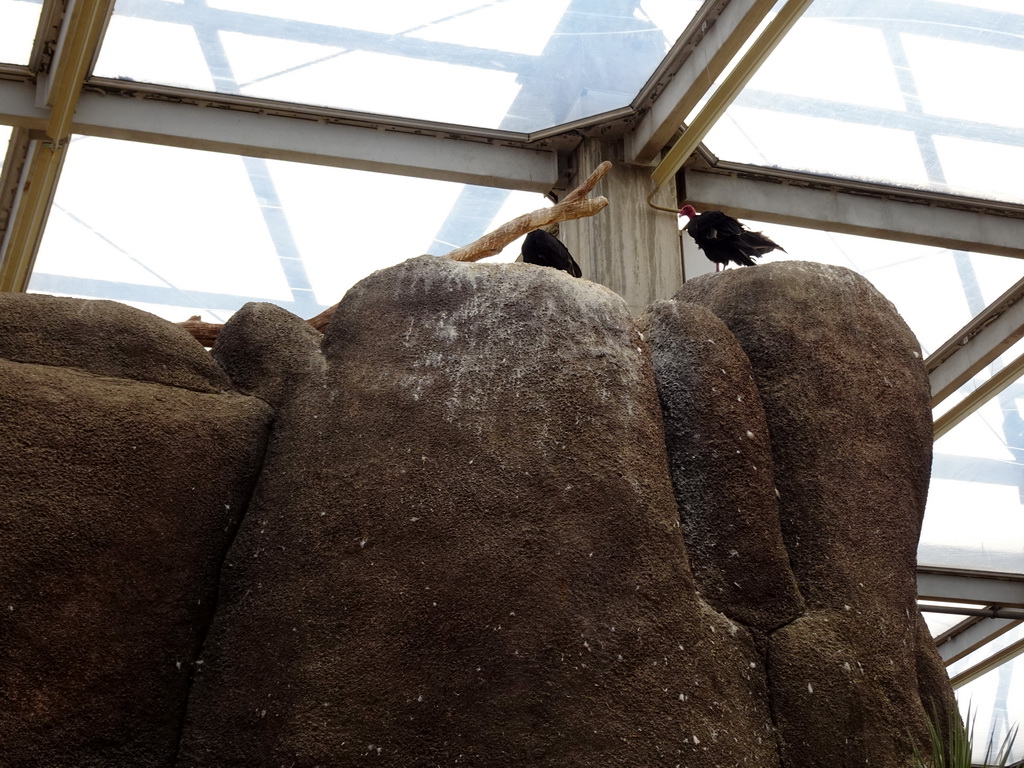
<point>127,462</point>
<point>846,401</point>
<point>465,547</point>
<point>488,519</point>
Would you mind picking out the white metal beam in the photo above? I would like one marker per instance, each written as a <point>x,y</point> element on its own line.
<point>994,330</point>
<point>318,141</point>
<point>979,633</point>
<point>836,210</point>
<point>719,42</point>
<point>949,585</point>
<point>79,37</point>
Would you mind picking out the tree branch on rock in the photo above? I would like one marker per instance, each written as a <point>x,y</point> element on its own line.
<point>575,205</point>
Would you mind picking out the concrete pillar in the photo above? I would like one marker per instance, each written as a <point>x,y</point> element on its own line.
<point>629,247</point>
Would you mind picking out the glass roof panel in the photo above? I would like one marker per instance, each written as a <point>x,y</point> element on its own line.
<point>975,514</point>
<point>254,230</point>
<point>994,703</point>
<point>18,30</point>
<point>519,65</point>
<point>910,93</point>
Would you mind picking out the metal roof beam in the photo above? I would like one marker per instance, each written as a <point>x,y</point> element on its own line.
<point>256,130</point>
<point>760,49</point>
<point>35,188</point>
<point>701,55</point>
<point>953,585</point>
<point>998,382</point>
<point>10,178</point>
<point>993,331</point>
<point>973,637</point>
<point>77,43</point>
<point>943,221</point>
<point>984,667</point>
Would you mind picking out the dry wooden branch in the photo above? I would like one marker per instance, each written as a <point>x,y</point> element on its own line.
<point>576,205</point>
<point>320,321</point>
<point>589,183</point>
<point>204,333</point>
<point>492,243</point>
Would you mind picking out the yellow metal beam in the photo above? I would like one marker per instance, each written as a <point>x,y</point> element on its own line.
<point>31,207</point>
<point>729,90</point>
<point>719,44</point>
<point>77,44</point>
<point>985,392</point>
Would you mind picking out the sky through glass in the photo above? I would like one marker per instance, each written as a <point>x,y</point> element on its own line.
<point>910,93</point>
<point>519,65</point>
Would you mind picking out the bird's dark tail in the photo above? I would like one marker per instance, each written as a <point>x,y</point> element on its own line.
<point>745,256</point>
<point>754,244</point>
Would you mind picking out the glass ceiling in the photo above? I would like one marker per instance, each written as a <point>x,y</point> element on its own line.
<point>18,30</point>
<point>996,699</point>
<point>519,65</point>
<point>913,93</point>
<point>293,234</point>
<point>979,466</point>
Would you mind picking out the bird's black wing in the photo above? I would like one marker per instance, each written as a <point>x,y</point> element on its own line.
<point>724,239</point>
<point>546,250</point>
<point>714,225</point>
<point>714,233</point>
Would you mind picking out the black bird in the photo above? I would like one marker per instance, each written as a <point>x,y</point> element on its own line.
<point>546,250</point>
<point>723,239</point>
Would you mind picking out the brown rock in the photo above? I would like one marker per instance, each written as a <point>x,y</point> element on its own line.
<point>846,401</point>
<point>465,549</point>
<point>125,471</point>
<point>104,338</point>
<point>269,351</point>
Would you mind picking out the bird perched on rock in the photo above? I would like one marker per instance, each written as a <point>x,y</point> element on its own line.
<point>546,250</point>
<point>723,239</point>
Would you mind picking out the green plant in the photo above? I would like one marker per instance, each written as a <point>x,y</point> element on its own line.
<point>953,746</point>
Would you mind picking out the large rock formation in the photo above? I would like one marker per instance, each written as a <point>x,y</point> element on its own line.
<point>127,463</point>
<point>846,401</point>
<point>465,548</point>
<point>467,542</point>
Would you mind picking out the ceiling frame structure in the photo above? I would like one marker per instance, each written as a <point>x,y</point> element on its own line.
<point>55,96</point>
